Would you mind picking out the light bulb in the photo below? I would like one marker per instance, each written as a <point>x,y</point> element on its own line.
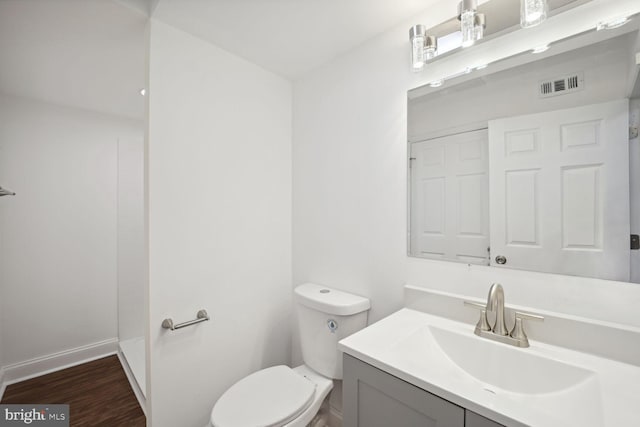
<point>532,12</point>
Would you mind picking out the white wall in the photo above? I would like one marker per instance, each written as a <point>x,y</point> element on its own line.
<point>219,218</point>
<point>349,175</point>
<point>131,242</point>
<point>58,251</point>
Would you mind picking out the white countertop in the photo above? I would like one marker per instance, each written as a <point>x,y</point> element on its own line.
<point>430,352</point>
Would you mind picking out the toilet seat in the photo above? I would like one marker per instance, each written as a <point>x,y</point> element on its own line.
<point>271,397</point>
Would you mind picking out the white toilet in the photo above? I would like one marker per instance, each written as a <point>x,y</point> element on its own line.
<point>284,397</point>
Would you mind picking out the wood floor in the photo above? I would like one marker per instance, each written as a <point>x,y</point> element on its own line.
<point>98,394</point>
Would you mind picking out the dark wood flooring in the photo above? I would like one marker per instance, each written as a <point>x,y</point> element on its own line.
<point>98,394</point>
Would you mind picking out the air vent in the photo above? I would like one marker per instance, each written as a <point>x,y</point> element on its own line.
<point>559,85</point>
<point>562,85</point>
<point>572,82</point>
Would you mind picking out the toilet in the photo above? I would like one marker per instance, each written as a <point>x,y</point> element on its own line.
<point>281,396</point>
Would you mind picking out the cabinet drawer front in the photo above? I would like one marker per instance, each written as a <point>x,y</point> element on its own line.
<point>374,398</point>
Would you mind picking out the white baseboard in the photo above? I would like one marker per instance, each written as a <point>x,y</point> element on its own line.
<point>142,401</point>
<point>55,362</point>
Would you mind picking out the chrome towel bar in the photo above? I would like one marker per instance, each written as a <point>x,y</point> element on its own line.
<point>202,316</point>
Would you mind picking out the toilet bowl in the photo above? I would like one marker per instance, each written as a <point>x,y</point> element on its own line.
<point>281,396</point>
<point>274,397</point>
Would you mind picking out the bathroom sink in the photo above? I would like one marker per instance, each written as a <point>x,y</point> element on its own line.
<point>508,368</point>
<point>543,385</point>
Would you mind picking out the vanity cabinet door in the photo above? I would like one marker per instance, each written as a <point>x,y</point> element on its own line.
<point>373,398</point>
<point>474,420</point>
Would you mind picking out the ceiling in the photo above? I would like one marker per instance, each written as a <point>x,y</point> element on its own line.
<point>289,37</point>
<point>88,54</point>
<point>91,53</point>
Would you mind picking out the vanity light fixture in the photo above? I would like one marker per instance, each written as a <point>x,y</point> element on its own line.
<point>472,24</point>
<point>425,47</point>
<point>612,23</point>
<point>533,12</point>
<point>540,49</point>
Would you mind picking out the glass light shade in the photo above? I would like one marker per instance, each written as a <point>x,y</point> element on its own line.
<point>429,53</point>
<point>430,47</point>
<point>468,28</point>
<point>480,25</point>
<point>532,12</point>
<point>417,38</point>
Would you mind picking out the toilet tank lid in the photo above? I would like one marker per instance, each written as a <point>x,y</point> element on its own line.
<point>330,301</point>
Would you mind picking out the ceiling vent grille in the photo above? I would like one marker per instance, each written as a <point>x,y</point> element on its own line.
<point>561,85</point>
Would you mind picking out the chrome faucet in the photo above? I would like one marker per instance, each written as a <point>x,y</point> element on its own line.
<point>499,331</point>
<point>495,303</point>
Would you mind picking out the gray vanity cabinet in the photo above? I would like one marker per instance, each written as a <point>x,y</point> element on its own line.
<point>374,398</point>
<point>474,420</point>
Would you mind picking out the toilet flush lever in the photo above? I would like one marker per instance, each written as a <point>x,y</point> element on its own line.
<point>202,316</point>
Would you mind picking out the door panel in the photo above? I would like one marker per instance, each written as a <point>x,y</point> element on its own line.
<point>559,191</point>
<point>449,184</point>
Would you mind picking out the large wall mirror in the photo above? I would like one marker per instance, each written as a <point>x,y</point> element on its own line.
<point>535,164</point>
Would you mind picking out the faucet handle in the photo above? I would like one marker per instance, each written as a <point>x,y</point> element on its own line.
<point>476,305</point>
<point>529,316</point>
<point>482,324</point>
<point>517,332</point>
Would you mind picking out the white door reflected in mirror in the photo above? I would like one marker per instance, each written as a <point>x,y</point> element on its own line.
<point>449,184</point>
<point>559,190</point>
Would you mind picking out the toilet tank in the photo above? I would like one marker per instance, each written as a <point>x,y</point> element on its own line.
<point>325,316</point>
